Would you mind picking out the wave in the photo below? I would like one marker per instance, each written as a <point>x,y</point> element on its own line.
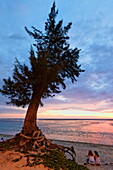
<point>4,137</point>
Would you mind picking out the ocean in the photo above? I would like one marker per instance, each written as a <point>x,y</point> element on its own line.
<point>87,131</point>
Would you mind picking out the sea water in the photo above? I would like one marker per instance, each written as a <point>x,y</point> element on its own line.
<point>88,131</point>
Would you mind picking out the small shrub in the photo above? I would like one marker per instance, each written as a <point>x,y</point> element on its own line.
<point>57,160</point>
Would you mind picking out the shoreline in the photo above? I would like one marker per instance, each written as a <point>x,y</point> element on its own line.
<point>7,136</point>
<point>58,140</point>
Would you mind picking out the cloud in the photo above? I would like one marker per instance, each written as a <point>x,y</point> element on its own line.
<point>17,37</point>
<point>11,110</point>
<point>91,32</point>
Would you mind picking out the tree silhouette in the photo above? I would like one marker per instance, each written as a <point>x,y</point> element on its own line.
<point>51,63</point>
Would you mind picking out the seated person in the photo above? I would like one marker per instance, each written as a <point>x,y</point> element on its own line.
<point>97,158</point>
<point>90,158</point>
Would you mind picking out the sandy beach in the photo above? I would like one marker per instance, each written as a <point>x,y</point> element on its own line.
<point>105,151</point>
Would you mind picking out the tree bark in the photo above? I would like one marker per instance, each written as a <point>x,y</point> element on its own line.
<point>30,124</point>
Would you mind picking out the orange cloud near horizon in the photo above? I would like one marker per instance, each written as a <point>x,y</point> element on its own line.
<point>64,110</point>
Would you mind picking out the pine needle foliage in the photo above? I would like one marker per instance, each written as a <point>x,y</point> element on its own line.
<point>52,62</point>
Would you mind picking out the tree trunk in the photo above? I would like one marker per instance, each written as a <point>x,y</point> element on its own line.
<point>31,116</point>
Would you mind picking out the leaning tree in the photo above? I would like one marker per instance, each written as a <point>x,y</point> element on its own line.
<point>52,61</point>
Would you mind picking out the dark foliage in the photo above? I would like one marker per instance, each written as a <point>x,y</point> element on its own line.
<point>52,62</point>
<point>55,160</point>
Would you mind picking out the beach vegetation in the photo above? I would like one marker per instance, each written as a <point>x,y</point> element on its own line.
<point>54,159</point>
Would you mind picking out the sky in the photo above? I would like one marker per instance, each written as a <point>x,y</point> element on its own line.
<point>92,32</point>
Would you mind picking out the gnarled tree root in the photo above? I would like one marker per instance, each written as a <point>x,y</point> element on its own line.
<point>40,142</point>
<point>37,142</point>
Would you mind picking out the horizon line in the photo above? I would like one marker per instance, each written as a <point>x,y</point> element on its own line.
<point>65,118</point>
